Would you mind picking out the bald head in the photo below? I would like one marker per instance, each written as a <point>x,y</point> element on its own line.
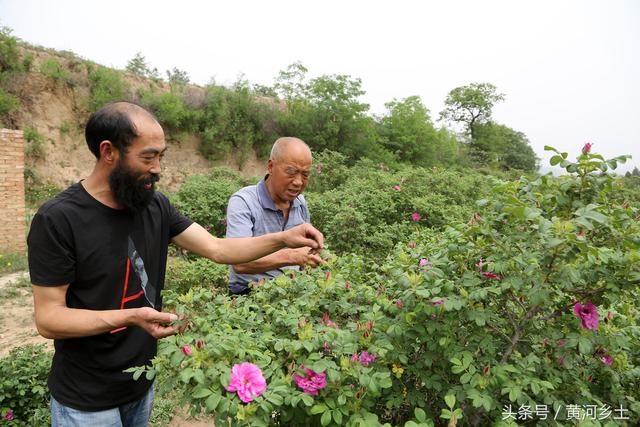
<point>289,147</point>
<point>116,122</point>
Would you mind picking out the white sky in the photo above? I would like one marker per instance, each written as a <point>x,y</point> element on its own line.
<point>570,69</point>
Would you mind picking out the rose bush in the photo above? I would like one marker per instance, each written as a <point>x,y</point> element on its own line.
<point>529,302</point>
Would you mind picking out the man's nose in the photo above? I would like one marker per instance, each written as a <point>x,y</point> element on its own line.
<point>156,167</point>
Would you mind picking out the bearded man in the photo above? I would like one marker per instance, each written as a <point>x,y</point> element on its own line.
<point>97,260</point>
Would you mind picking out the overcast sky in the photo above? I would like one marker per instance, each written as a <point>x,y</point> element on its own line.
<point>570,69</point>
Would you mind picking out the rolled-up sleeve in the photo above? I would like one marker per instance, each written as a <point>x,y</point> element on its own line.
<point>239,218</point>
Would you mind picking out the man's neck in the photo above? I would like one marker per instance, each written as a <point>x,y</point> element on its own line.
<point>283,205</point>
<point>97,185</point>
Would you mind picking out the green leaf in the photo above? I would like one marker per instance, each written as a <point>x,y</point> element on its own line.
<point>276,399</point>
<point>318,409</point>
<point>585,346</point>
<point>212,402</point>
<point>337,416</point>
<point>342,400</point>
<point>307,400</point>
<point>555,160</point>
<point>326,418</point>
<point>420,415</point>
<point>450,400</point>
<point>201,392</point>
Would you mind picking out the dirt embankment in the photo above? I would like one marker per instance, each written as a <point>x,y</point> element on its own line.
<point>58,111</point>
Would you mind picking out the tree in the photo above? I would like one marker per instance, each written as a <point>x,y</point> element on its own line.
<point>290,83</point>
<point>138,65</point>
<point>325,111</point>
<point>500,146</point>
<point>177,77</point>
<point>407,131</point>
<point>471,105</point>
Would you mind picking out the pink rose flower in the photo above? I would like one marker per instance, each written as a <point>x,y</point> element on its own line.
<point>399,304</point>
<point>367,358</point>
<point>607,360</point>
<point>587,148</point>
<point>327,321</point>
<point>423,262</point>
<point>489,275</point>
<point>561,360</point>
<point>437,302</point>
<point>8,416</point>
<point>396,187</point>
<point>311,381</point>
<point>354,357</point>
<point>247,381</point>
<point>415,216</point>
<point>588,314</point>
<point>186,350</point>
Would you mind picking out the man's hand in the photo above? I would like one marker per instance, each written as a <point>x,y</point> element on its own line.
<point>303,235</point>
<point>306,257</point>
<point>154,322</point>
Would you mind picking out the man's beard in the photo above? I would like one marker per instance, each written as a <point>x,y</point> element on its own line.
<point>128,188</point>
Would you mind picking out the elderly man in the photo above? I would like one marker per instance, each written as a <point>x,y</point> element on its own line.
<point>274,204</point>
<point>97,259</point>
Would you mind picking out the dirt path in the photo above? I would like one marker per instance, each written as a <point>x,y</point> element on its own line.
<point>17,326</point>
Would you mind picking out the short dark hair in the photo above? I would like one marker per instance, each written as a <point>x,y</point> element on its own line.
<point>113,123</point>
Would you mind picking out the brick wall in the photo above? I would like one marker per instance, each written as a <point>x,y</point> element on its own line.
<point>12,204</point>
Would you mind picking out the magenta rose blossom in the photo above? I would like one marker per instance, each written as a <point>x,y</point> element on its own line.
<point>9,415</point>
<point>423,262</point>
<point>396,187</point>
<point>588,314</point>
<point>247,381</point>
<point>607,360</point>
<point>490,275</point>
<point>367,358</point>
<point>186,350</point>
<point>399,304</point>
<point>437,302</point>
<point>587,148</point>
<point>311,381</point>
<point>415,216</point>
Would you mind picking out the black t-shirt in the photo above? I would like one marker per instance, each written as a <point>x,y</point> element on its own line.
<point>112,259</point>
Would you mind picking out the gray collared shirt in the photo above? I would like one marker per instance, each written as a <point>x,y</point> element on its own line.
<point>251,212</point>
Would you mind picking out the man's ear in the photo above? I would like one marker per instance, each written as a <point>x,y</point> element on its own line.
<point>108,153</point>
<point>270,166</point>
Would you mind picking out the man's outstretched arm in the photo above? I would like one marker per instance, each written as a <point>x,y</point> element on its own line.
<point>244,249</point>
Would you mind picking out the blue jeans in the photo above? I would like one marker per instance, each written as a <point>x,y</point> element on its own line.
<point>133,414</point>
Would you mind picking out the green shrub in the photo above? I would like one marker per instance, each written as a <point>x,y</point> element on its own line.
<point>204,198</point>
<point>55,71</point>
<point>184,274</point>
<point>27,63</point>
<point>233,121</point>
<point>8,103</point>
<point>9,54</point>
<point>107,86</point>
<point>12,262</point>
<point>23,385</point>
<point>475,318</point>
<point>369,209</point>
<point>170,109</point>
<point>37,191</point>
<point>34,148</point>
